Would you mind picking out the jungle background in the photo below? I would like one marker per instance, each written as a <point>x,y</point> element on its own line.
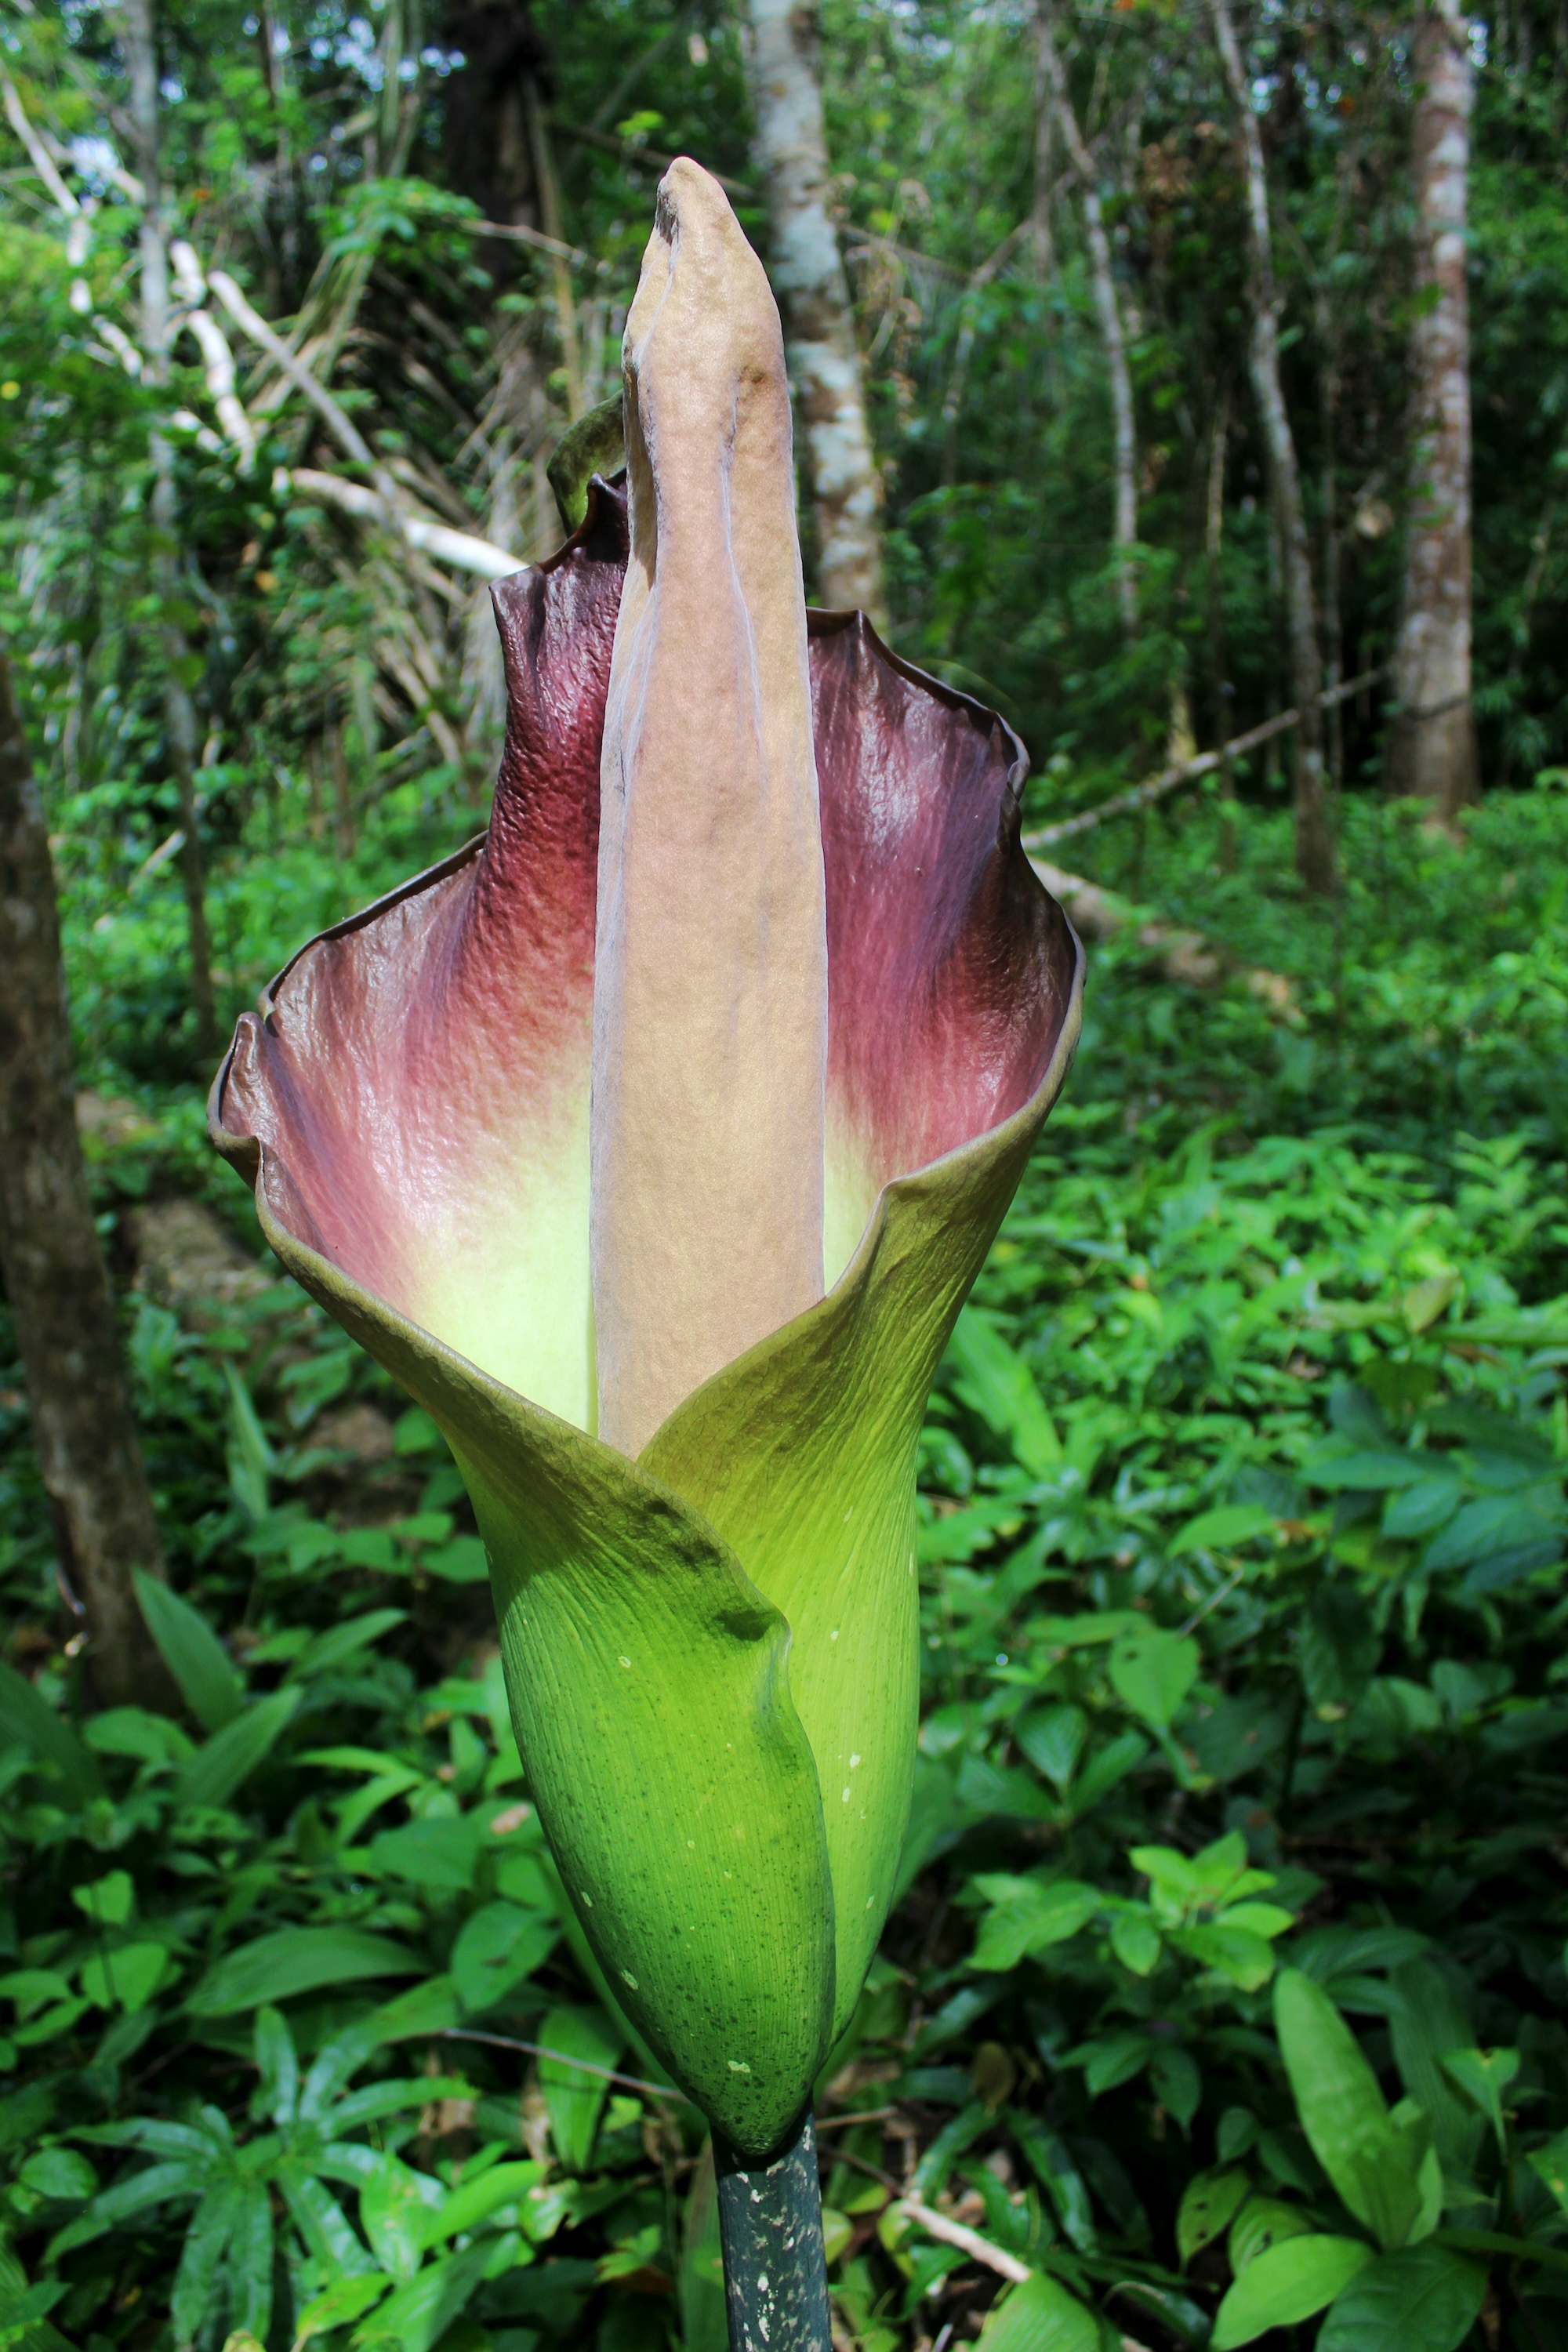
<point>1233,1912</point>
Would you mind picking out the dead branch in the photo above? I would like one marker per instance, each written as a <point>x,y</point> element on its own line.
<point>463,550</point>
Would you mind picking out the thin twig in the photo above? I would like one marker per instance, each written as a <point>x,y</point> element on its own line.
<point>938,2225</point>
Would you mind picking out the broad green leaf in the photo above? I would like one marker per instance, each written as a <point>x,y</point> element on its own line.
<point>293,1960</point>
<point>1223,1529</point>
<point>1053,1741</point>
<point>249,2269</point>
<point>1136,1941</point>
<point>126,1975</point>
<point>251,1460</point>
<point>342,2304</point>
<point>222,1766</point>
<point>498,1946</point>
<point>1498,1524</point>
<point>132,1731</point>
<point>1152,1671</point>
<point>1342,2111</point>
<point>1483,2075</point>
<point>1287,2283</point>
<point>1423,1508</point>
<point>1052,2166</point>
<point>1040,2316</point>
<point>418,2313</point>
<point>1106,1769</point>
<point>993,1379</point>
<point>58,2172</point>
<point>1242,1959</point>
<point>474,2200</point>
<point>1262,2223</point>
<point>1422,2299</point>
<point>110,1900</point>
<point>1427,2024</point>
<point>1551,2163</point>
<point>395,2207</point>
<point>180,2182</point>
<point>32,1723</point>
<point>438,1852</point>
<point>209,1682</point>
<point>576,2097</point>
<point>1398,2179</point>
<point>329,1650</point>
<point>1178,2084</point>
<point>277,2065</point>
<point>1208,2204</point>
<point>1029,1917</point>
<point>206,2241</point>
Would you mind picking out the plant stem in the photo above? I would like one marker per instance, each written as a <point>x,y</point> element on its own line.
<point>770,2224</point>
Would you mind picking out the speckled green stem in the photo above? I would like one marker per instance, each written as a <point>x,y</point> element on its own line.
<point>776,2275</point>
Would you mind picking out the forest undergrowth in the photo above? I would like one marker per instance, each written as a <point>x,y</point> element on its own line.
<point>1230,1944</point>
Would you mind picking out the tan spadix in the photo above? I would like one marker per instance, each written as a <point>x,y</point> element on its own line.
<point>711,963</point>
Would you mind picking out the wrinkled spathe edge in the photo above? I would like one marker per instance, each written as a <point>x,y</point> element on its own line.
<point>249,1156</point>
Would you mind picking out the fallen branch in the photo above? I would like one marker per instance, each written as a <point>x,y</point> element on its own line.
<point>460,549</point>
<point>1189,957</point>
<point>1144,796</point>
<point>968,2241</point>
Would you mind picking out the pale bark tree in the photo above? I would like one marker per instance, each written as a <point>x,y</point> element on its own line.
<point>808,278</point>
<point>1433,746</point>
<point>1055,95</point>
<point>89,1454</point>
<point>1316,861</point>
<point>181,734</point>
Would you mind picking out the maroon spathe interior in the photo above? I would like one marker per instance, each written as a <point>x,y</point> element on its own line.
<point>402,1042</point>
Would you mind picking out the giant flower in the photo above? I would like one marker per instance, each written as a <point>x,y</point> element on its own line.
<point>653,1142</point>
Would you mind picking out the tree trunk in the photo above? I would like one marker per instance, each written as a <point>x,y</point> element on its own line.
<point>1315,858</point>
<point>86,1440</point>
<point>1108,309</point>
<point>180,729</point>
<point>814,297</point>
<point>1433,748</point>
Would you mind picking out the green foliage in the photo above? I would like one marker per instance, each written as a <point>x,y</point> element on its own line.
<point>1220,1729</point>
<point>1229,1921</point>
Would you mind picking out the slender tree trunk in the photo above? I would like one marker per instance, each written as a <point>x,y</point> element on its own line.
<point>88,1457</point>
<point>1433,748</point>
<point>1108,309</point>
<point>813,296</point>
<point>1213,541</point>
<point>1315,858</point>
<point>181,734</point>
